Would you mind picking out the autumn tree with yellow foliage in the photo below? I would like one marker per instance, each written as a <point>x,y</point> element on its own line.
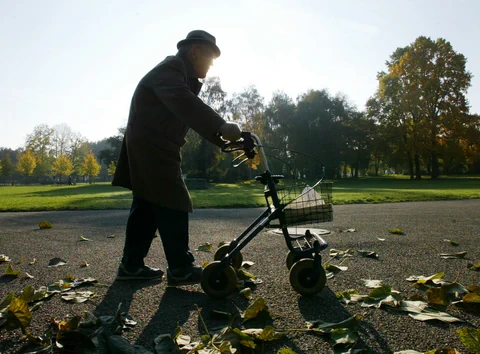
<point>91,167</point>
<point>26,164</point>
<point>62,166</point>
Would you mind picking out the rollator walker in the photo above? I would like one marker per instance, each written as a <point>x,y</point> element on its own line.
<point>295,204</point>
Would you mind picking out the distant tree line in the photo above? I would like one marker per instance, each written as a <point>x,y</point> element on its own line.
<point>416,123</point>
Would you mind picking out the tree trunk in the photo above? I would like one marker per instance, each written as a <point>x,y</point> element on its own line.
<point>418,172</point>
<point>435,169</point>
<point>410,165</point>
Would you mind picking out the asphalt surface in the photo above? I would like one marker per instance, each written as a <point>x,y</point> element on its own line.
<point>158,309</point>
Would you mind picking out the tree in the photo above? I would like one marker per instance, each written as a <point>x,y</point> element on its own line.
<point>109,155</point>
<point>433,81</point>
<point>40,145</point>
<point>26,164</point>
<point>79,148</point>
<point>62,166</point>
<point>91,167</point>
<point>112,168</point>
<point>200,157</point>
<point>61,139</point>
<point>6,166</point>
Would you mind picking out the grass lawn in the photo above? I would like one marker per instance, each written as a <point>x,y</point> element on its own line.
<point>240,195</point>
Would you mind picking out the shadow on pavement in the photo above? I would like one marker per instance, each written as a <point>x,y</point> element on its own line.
<point>325,307</point>
<point>174,309</point>
<point>120,292</point>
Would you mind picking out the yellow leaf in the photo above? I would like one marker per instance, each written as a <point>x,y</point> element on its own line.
<point>10,271</point>
<point>45,225</point>
<point>254,309</point>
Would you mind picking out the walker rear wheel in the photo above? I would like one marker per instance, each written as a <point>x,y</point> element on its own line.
<point>222,251</point>
<point>303,278</point>
<point>217,282</point>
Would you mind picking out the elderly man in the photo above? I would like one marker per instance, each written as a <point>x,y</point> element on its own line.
<point>163,108</point>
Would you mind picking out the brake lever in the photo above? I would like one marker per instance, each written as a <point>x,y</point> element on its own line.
<point>237,158</point>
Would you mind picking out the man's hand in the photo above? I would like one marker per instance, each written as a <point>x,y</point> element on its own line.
<point>230,132</point>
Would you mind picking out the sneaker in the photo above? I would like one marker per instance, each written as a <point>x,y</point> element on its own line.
<point>142,273</point>
<point>184,276</point>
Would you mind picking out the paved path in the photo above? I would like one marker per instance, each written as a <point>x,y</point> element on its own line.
<point>157,309</point>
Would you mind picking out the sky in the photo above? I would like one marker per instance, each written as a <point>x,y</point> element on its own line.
<point>78,62</point>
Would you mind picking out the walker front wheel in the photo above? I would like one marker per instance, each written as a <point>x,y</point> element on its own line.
<point>222,251</point>
<point>218,281</point>
<point>292,258</point>
<point>306,280</point>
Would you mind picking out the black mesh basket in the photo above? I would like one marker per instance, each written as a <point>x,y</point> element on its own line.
<point>304,204</point>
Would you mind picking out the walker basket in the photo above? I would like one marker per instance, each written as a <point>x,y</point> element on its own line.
<point>303,204</point>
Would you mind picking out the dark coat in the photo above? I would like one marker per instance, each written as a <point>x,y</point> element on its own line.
<point>164,106</point>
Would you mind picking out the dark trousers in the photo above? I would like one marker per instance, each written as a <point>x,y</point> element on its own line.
<point>144,219</point>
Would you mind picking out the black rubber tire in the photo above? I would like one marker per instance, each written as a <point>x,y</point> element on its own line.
<point>218,287</point>
<point>301,281</point>
<point>237,259</point>
<point>292,258</point>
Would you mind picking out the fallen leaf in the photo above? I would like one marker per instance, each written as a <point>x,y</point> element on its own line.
<point>351,295</point>
<point>111,236</point>
<point>205,247</point>
<point>45,225</point>
<point>33,261</point>
<point>254,309</point>
<point>18,315</point>
<point>244,275</point>
<point>430,314</point>
<point>459,255</point>
<point>420,279</point>
<point>437,296</point>
<point>474,288</point>
<point>10,271</point>
<point>4,258</point>
<point>247,292</point>
<point>368,254</point>
<point>77,296</point>
<point>29,276</point>
<point>84,239</point>
<point>474,267</point>
<point>412,306</point>
<point>369,283</point>
<point>396,231</point>
<point>381,239</point>
<point>344,338</point>
<point>472,298</point>
<point>470,338</point>
<point>84,264</point>
<point>348,230</point>
<point>334,268</point>
<point>56,262</point>
<point>247,264</point>
<point>453,243</point>
<point>335,253</point>
<point>266,334</point>
<point>350,322</point>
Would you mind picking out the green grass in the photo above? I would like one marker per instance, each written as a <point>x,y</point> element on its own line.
<point>240,195</point>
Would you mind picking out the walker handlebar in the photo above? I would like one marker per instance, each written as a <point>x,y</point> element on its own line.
<point>245,143</point>
<point>250,144</point>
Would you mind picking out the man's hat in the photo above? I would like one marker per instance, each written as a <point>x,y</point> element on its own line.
<point>200,36</point>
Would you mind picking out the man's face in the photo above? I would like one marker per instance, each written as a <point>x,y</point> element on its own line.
<point>203,59</point>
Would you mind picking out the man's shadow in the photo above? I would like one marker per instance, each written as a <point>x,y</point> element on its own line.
<point>325,307</point>
<point>120,292</point>
<point>174,310</point>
